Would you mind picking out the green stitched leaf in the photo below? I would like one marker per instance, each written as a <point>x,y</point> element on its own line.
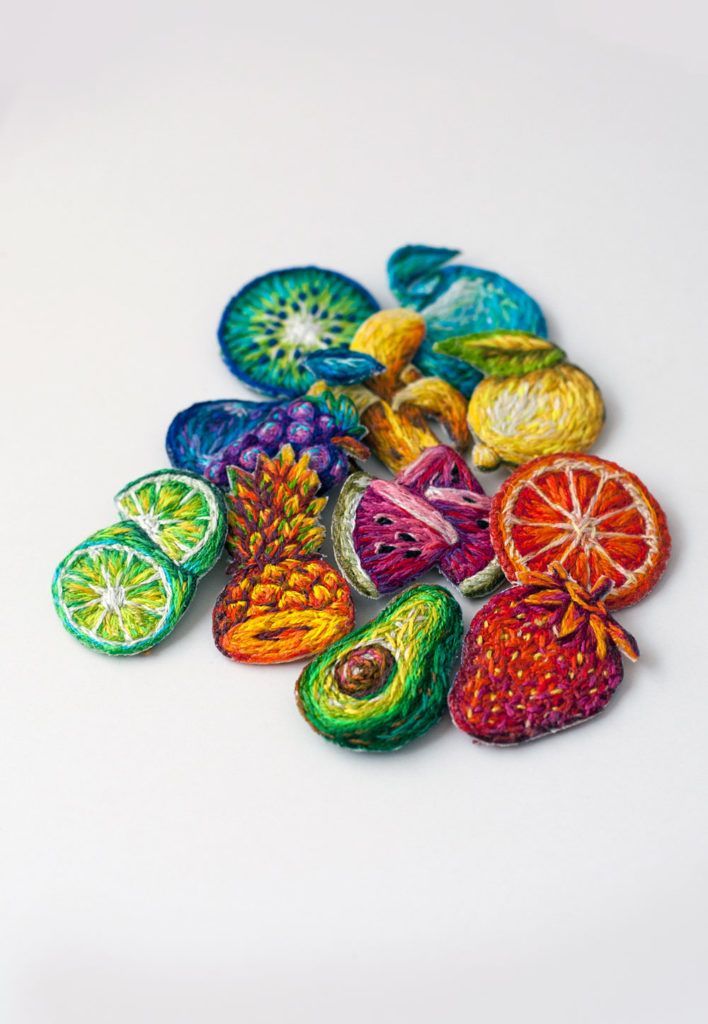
<point>503,353</point>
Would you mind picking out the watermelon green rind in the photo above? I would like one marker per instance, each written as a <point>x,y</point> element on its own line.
<point>484,582</point>
<point>343,519</point>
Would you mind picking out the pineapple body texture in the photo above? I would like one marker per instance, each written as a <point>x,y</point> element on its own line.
<point>283,600</point>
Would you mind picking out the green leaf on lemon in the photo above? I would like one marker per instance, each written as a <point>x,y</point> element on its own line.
<point>503,353</point>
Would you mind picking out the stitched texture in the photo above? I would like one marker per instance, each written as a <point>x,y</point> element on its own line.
<point>591,515</point>
<point>386,533</point>
<point>211,436</point>
<point>530,403</point>
<point>538,658</point>
<point>124,588</point>
<point>456,300</point>
<point>283,601</point>
<point>394,405</point>
<point>386,683</point>
<point>275,321</point>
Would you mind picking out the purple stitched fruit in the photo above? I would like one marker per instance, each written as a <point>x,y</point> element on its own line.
<point>471,565</point>
<point>385,536</point>
<point>269,432</point>
<point>441,480</point>
<point>211,436</point>
<point>438,467</point>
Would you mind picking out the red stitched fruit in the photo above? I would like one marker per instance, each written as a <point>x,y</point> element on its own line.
<point>538,658</point>
<point>470,564</point>
<point>591,515</point>
<point>387,533</point>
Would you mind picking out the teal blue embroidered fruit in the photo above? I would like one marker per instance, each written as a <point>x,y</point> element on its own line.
<point>457,300</point>
<point>276,321</point>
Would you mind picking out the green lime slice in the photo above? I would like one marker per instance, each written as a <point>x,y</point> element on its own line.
<point>118,593</point>
<point>180,512</point>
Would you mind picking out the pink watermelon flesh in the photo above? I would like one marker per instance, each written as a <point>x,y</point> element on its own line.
<point>468,511</point>
<point>397,535</point>
<point>438,467</point>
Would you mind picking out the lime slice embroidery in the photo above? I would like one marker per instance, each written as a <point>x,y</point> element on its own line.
<point>179,512</point>
<point>114,597</point>
<point>125,587</point>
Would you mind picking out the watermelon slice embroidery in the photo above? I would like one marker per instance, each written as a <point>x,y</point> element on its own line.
<point>388,533</point>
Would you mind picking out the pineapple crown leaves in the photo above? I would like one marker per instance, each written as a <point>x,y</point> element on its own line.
<point>580,607</point>
<point>503,353</point>
<point>273,512</point>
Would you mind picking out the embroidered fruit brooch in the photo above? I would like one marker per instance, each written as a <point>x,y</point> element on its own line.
<point>595,518</point>
<point>463,361</point>
<point>538,658</point>
<point>531,401</point>
<point>124,588</point>
<point>209,437</point>
<point>387,533</point>
<point>283,601</point>
<point>386,683</point>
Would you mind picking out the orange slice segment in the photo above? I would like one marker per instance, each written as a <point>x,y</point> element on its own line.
<point>592,516</point>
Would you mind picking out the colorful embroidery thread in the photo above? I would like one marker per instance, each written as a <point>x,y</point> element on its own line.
<point>386,683</point>
<point>276,320</point>
<point>538,658</point>
<point>124,588</point>
<point>531,403</point>
<point>595,518</point>
<point>209,437</point>
<point>457,300</point>
<point>283,601</point>
<point>394,405</point>
<point>386,533</point>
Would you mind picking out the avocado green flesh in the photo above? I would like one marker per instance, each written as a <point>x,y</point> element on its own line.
<point>422,630</point>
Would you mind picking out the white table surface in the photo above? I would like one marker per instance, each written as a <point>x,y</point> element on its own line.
<point>175,844</point>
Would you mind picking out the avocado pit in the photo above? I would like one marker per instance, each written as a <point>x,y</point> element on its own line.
<point>365,670</point>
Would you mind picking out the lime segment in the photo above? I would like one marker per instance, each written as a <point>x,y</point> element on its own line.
<point>181,513</point>
<point>116,598</point>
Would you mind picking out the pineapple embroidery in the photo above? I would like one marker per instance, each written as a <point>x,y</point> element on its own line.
<point>283,601</point>
<point>538,658</point>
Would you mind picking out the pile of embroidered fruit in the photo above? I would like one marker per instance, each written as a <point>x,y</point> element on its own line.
<point>456,372</point>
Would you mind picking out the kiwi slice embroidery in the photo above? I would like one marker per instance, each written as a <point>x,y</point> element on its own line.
<point>271,326</point>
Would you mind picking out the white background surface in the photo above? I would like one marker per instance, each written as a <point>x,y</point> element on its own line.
<point>175,844</point>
